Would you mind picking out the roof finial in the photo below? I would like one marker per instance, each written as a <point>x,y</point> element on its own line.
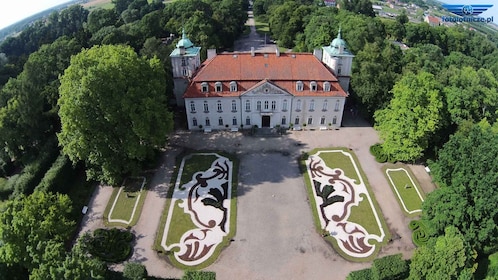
<point>339,34</point>
<point>185,36</point>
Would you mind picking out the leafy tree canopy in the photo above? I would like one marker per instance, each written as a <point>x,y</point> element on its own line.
<point>33,229</point>
<point>467,171</point>
<point>113,111</point>
<point>411,118</point>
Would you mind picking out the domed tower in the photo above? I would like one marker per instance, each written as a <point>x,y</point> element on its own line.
<point>185,59</point>
<point>339,59</point>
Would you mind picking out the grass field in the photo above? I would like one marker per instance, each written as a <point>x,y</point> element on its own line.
<point>125,205</point>
<point>406,188</point>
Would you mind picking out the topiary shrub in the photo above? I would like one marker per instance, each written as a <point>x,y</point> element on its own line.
<point>377,151</point>
<point>111,245</point>
<point>58,176</point>
<point>199,275</point>
<point>390,268</point>
<point>364,274</point>
<point>420,235</point>
<point>134,271</point>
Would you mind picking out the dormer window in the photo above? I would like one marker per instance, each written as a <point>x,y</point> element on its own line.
<point>218,86</point>
<point>204,87</point>
<point>326,86</point>
<point>233,86</point>
<point>313,86</point>
<point>299,86</point>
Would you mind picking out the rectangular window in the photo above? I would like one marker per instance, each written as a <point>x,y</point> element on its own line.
<point>234,106</point>
<point>220,108</point>
<point>296,121</point>
<point>192,107</point>
<point>258,106</point>
<point>218,87</point>
<point>206,107</point>
<point>267,104</point>
<point>322,120</point>
<point>234,121</point>
<point>274,105</point>
<point>284,105</point>
<point>337,104</point>
<point>204,87</point>
<point>248,106</point>
<point>208,122</point>
<point>194,122</point>
<point>248,121</point>
<point>310,120</point>
<point>325,105</point>
<point>284,121</point>
<point>220,121</point>
<point>312,105</point>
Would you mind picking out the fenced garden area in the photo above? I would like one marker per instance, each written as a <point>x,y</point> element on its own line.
<point>406,189</point>
<point>125,204</point>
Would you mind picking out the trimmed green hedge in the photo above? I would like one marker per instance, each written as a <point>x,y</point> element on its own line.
<point>134,271</point>
<point>390,268</point>
<point>111,245</point>
<point>59,176</point>
<point>378,153</point>
<point>199,275</point>
<point>364,274</point>
<point>420,236</point>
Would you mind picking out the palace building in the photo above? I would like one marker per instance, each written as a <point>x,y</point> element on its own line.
<point>242,90</point>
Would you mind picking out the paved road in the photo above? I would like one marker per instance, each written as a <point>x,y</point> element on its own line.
<point>253,40</point>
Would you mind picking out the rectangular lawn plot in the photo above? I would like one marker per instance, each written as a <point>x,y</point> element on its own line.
<point>406,189</point>
<point>344,204</point>
<point>200,210</point>
<point>126,206</point>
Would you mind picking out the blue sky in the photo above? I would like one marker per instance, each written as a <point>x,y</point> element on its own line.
<point>12,11</point>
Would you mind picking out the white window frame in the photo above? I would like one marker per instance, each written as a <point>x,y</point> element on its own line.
<point>312,105</point>
<point>206,107</point>
<point>192,107</point>
<point>218,86</point>
<point>204,87</point>
<point>234,106</point>
<point>219,106</point>
<point>299,86</point>
<point>248,106</point>
<point>326,86</point>
<point>233,86</point>
<point>313,86</point>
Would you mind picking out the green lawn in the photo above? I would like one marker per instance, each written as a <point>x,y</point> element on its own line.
<point>406,189</point>
<point>182,222</point>
<point>363,213</point>
<point>128,201</point>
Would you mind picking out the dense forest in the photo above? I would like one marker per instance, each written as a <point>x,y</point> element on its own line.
<point>436,102</point>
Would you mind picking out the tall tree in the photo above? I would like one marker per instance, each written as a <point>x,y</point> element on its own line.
<point>113,111</point>
<point>411,118</point>
<point>445,257</point>
<point>33,229</point>
<point>358,7</point>
<point>466,171</point>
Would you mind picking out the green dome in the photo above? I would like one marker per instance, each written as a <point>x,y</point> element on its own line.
<point>338,43</point>
<point>184,42</point>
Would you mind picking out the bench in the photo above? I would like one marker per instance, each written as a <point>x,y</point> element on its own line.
<point>207,129</point>
<point>323,128</point>
<point>234,129</point>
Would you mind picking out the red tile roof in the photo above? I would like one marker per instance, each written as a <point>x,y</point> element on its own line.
<point>247,70</point>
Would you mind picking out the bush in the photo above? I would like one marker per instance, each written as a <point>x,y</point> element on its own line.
<point>134,271</point>
<point>58,176</point>
<point>199,275</point>
<point>35,170</point>
<point>111,245</point>
<point>420,236</point>
<point>378,153</point>
<point>390,267</point>
<point>364,274</point>
<point>493,266</point>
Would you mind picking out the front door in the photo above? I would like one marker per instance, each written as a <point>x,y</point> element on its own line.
<point>265,121</point>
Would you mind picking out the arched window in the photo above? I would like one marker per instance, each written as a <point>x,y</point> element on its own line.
<point>248,120</point>
<point>326,86</point>
<point>299,86</point>
<point>312,105</point>
<point>322,120</point>
<point>325,105</point>
<point>284,120</point>
<point>248,106</point>
<point>313,86</point>
<point>208,122</point>
<point>296,121</point>
<point>234,121</point>
<point>204,87</point>
<point>194,122</point>
<point>219,86</point>
<point>220,121</point>
<point>192,107</point>
<point>233,86</point>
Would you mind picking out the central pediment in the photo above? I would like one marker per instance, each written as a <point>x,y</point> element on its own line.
<point>266,87</point>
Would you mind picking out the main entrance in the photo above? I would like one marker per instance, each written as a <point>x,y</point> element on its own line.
<point>265,121</point>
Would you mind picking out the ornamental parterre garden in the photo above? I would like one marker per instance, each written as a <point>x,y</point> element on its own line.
<point>199,217</point>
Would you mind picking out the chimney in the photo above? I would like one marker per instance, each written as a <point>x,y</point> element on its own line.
<point>252,51</point>
<point>318,53</point>
<point>211,53</point>
<point>277,51</point>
